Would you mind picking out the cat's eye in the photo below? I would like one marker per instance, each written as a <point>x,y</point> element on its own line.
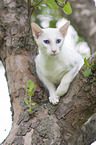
<point>58,40</point>
<point>46,41</point>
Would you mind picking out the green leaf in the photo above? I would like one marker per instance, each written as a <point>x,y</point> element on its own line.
<point>33,104</point>
<point>85,62</point>
<point>87,72</point>
<point>67,8</point>
<point>92,64</point>
<point>26,101</point>
<point>30,93</point>
<point>80,39</point>
<point>26,87</point>
<point>52,4</point>
<point>31,85</point>
<point>61,1</point>
<point>30,111</point>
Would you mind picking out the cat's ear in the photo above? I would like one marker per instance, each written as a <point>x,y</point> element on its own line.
<point>37,31</point>
<point>64,28</point>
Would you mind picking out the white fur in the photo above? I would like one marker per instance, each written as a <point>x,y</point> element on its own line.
<point>55,69</point>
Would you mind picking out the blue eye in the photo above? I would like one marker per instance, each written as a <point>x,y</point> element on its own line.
<point>58,40</point>
<point>46,41</point>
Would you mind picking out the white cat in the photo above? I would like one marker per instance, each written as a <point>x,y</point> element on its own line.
<point>56,65</point>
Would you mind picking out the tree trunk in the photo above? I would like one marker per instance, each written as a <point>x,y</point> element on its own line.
<point>49,124</point>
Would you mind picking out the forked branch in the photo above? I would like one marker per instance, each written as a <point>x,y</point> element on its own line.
<point>61,5</point>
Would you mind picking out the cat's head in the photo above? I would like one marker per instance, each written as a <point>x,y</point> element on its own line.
<point>50,40</point>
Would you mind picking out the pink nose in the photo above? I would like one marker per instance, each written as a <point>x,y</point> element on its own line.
<point>54,51</point>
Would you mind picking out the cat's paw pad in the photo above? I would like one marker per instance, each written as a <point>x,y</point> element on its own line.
<point>54,100</point>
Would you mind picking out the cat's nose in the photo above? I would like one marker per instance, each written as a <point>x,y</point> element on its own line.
<point>54,51</point>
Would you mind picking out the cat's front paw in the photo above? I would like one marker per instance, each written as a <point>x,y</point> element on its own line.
<point>54,100</point>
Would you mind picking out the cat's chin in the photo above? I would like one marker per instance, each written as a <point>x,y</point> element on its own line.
<point>53,55</point>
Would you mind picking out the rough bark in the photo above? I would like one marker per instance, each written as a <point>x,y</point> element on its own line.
<point>17,52</point>
<point>87,134</point>
<point>83,19</point>
<point>49,124</point>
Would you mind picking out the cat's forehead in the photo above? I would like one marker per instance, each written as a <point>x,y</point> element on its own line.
<point>50,29</point>
<point>51,32</point>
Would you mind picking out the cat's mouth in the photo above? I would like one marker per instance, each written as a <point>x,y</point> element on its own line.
<point>53,54</point>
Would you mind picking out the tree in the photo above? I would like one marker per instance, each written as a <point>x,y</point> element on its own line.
<point>59,124</point>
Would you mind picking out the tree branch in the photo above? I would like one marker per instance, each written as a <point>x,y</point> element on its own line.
<point>78,104</point>
<point>61,5</point>
<point>37,4</point>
